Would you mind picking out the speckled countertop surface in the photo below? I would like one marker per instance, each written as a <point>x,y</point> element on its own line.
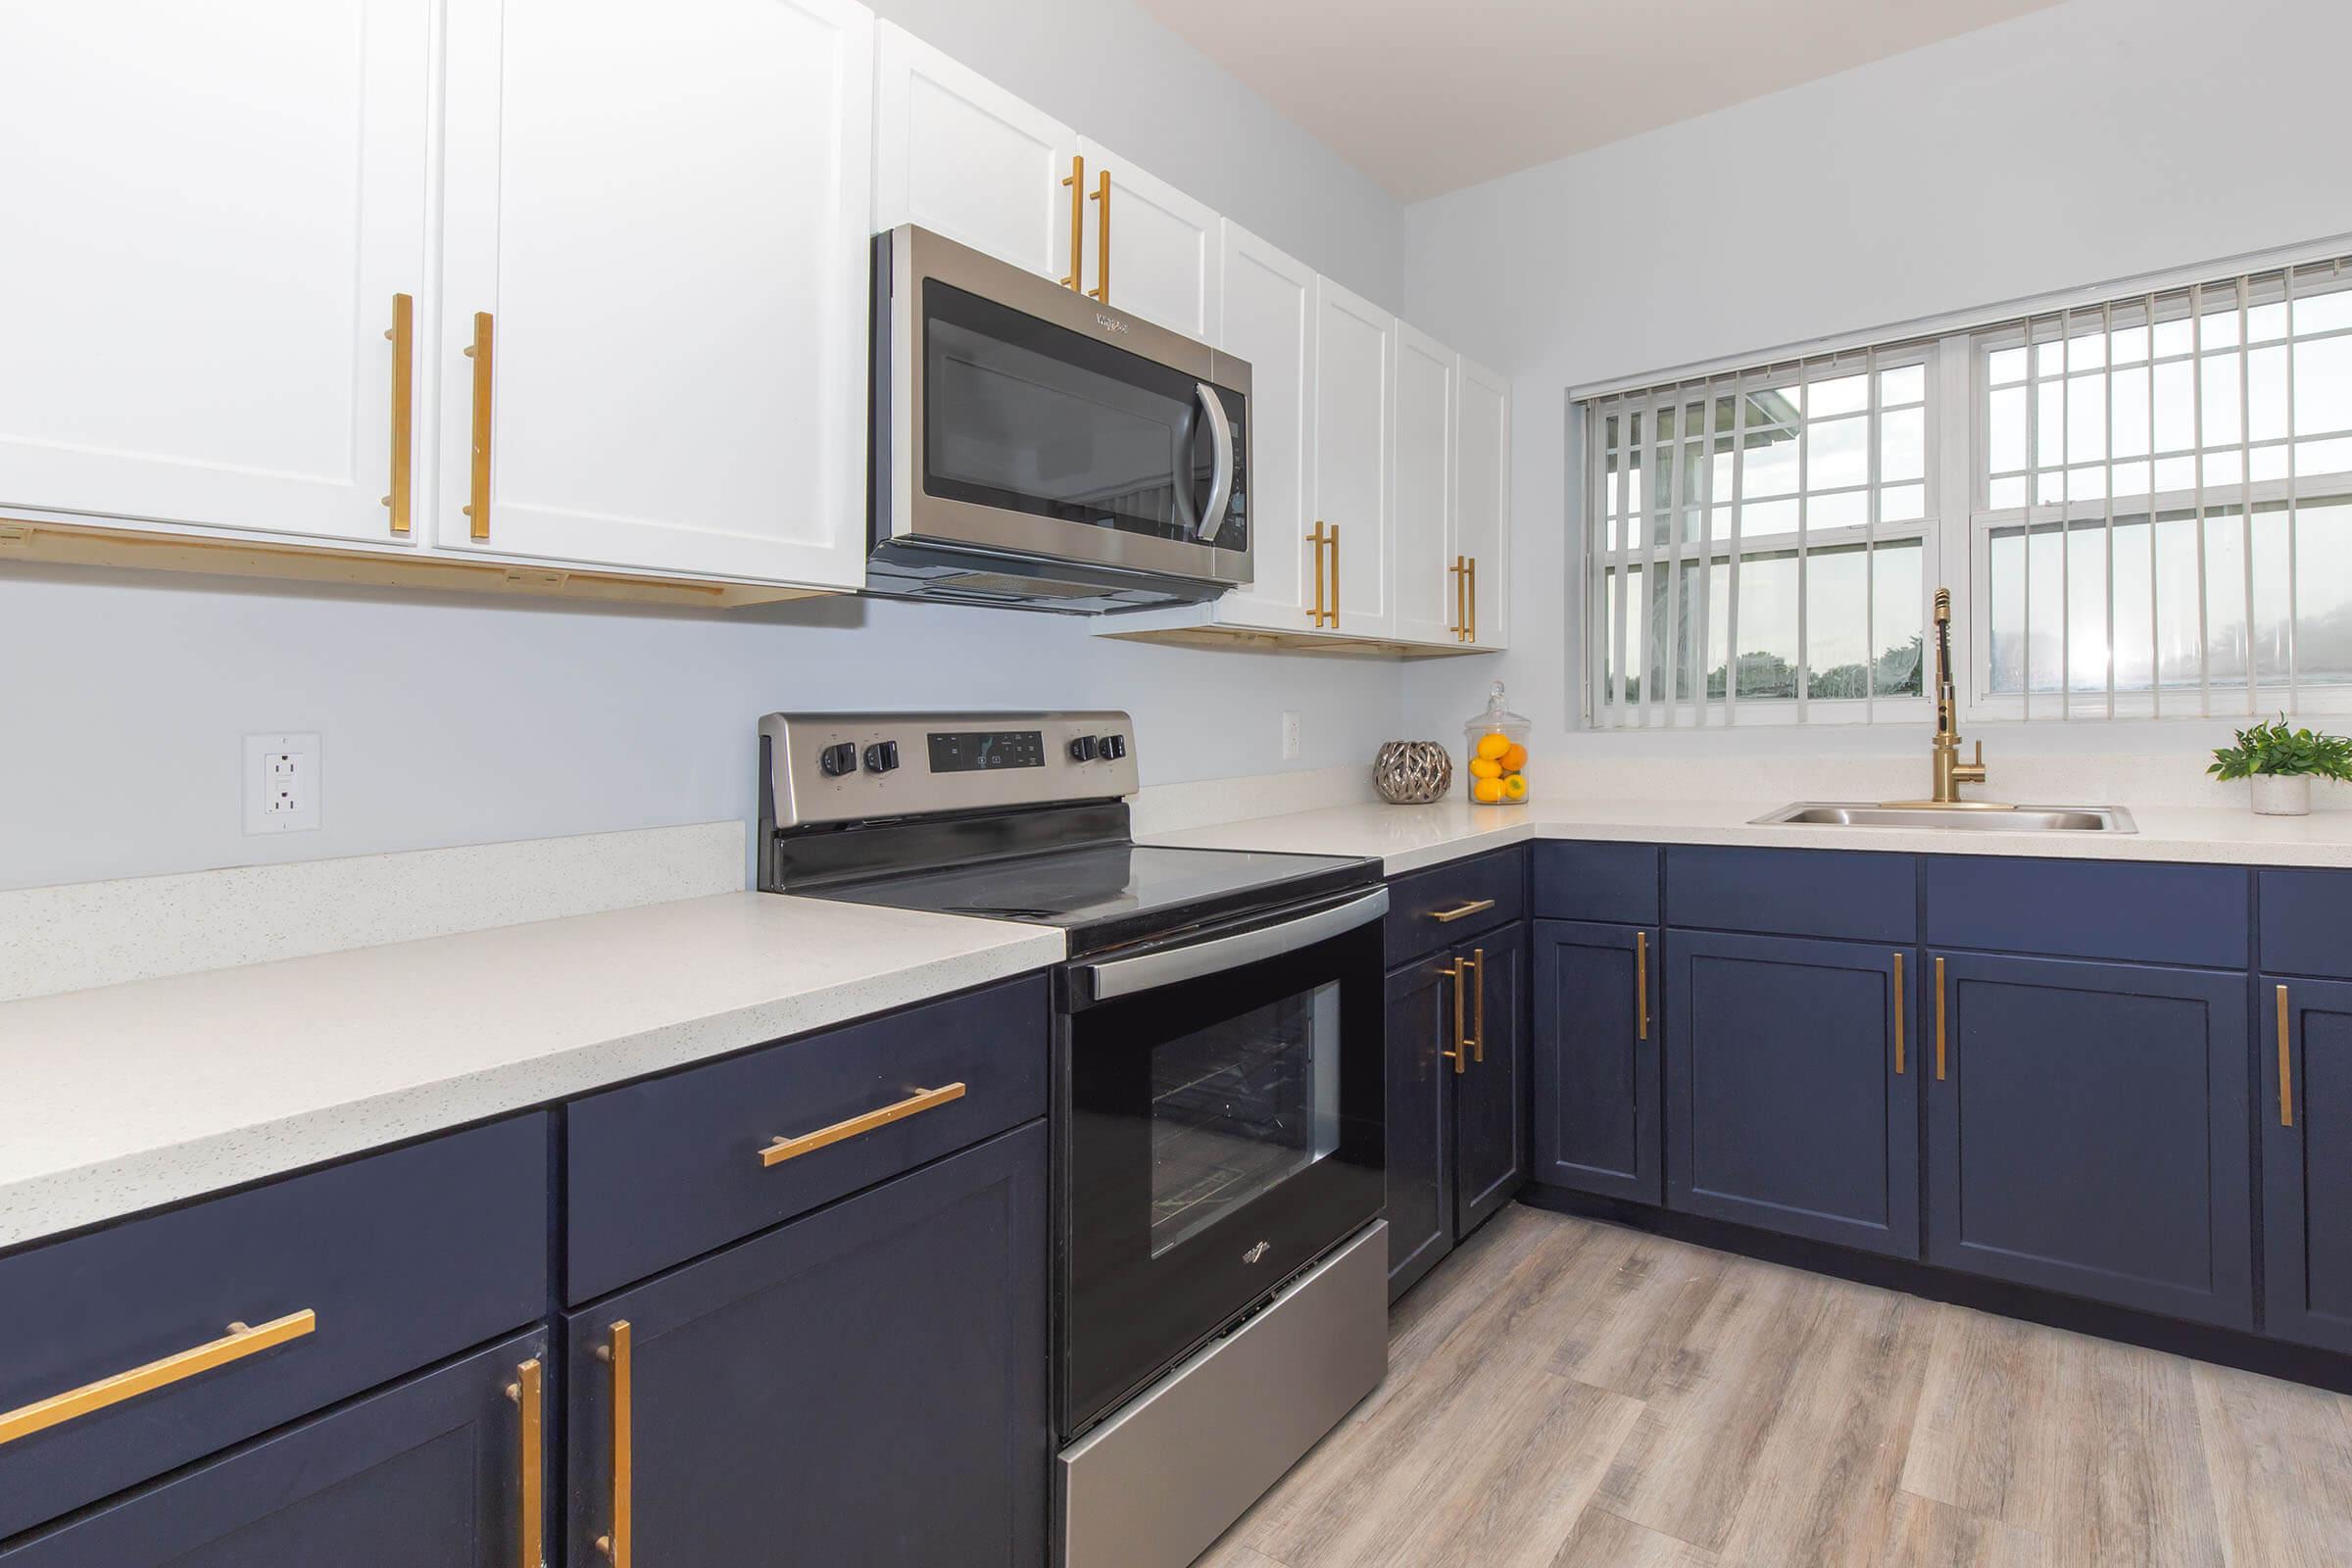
<point>1407,838</point>
<point>127,1097</point>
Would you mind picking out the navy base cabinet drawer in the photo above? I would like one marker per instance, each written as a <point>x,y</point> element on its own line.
<point>1792,1092</point>
<point>2086,1132</point>
<point>2307,923</point>
<point>1440,906</point>
<point>1613,884</point>
<point>399,1259</point>
<point>2305,1160</point>
<point>666,1170</point>
<point>864,1386</point>
<point>1850,894</point>
<point>425,1472</point>
<point>2136,913</point>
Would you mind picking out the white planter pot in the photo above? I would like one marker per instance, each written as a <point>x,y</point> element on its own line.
<point>2281,794</point>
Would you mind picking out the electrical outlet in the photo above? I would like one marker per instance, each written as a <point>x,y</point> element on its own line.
<point>1292,751</point>
<point>281,783</point>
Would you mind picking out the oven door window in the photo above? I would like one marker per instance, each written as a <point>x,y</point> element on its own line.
<point>1240,1107</point>
<point>1025,416</point>
<point>1220,1133</point>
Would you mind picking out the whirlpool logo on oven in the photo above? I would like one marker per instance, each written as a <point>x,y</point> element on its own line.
<point>1255,1252</point>
<point>1110,323</point>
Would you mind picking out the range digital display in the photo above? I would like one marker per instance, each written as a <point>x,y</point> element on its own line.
<point>984,751</point>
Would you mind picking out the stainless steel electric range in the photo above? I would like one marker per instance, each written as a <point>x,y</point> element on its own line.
<point>1220,1263</point>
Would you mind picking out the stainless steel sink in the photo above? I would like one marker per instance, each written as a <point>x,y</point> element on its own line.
<point>1970,816</point>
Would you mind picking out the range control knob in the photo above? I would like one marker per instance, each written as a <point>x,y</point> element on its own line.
<point>1082,750</point>
<point>1114,747</point>
<point>838,760</point>
<point>882,756</point>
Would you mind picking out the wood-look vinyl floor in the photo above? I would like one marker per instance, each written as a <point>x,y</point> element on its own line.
<point>1565,1393</point>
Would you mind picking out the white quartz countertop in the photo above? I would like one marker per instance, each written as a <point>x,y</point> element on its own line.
<point>127,1097</point>
<point>1407,838</point>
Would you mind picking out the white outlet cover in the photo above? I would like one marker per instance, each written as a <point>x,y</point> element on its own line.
<point>1291,748</point>
<point>281,783</point>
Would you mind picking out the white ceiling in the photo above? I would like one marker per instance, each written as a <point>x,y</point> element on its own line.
<point>1427,96</point>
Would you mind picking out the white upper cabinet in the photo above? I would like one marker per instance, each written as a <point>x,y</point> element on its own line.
<point>209,211</point>
<point>655,240</point>
<point>958,155</point>
<point>1269,319</point>
<point>1353,410</point>
<point>1153,251</point>
<point>1429,608</point>
<point>1482,497</point>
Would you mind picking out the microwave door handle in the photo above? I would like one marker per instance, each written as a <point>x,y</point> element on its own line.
<point>1149,971</point>
<point>1220,484</point>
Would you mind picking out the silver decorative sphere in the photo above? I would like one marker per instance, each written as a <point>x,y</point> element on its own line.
<point>1413,772</point>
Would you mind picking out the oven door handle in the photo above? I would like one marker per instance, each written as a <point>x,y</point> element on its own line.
<point>1220,484</point>
<point>1149,972</point>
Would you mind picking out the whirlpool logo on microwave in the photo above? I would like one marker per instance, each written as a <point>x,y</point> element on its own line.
<point>1255,1252</point>
<point>1111,323</point>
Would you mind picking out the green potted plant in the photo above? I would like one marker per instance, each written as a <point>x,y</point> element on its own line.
<point>2282,763</point>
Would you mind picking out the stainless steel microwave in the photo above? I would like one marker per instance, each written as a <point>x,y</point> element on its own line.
<point>1033,448</point>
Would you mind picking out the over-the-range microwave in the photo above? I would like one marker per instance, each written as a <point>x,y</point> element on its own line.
<point>1033,448</point>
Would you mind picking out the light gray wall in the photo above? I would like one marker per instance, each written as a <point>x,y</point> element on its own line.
<point>2091,141</point>
<point>455,720</point>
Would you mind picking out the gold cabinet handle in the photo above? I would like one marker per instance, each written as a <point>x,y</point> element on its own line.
<point>1334,574</point>
<point>1902,999</point>
<point>524,1391</point>
<point>1461,912</point>
<point>1318,539</point>
<point>922,1099</point>
<point>1455,572</point>
<point>1101,292</point>
<point>616,1352</point>
<point>1478,1024</point>
<point>1471,576</point>
<point>1459,1055</point>
<point>1939,1030</point>
<point>1641,985</point>
<point>403,335</point>
<point>2287,1075</point>
<point>478,488</point>
<point>241,1341</point>
<point>1076,181</point>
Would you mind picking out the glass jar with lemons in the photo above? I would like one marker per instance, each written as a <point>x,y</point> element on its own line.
<point>1497,754</point>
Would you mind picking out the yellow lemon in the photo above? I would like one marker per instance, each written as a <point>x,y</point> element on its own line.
<point>1514,788</point>
<point>1485,791</point>
<point>1494,744</point>
<point>1485,768</point>
<point>1513,759</point>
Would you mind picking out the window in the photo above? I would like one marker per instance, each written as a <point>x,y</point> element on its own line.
<point>1763,543</point>
<point>2157,492</point>
<point>2163,520</point>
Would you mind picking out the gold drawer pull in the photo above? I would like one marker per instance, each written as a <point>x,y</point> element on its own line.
<point>2286,1074</point>
<point>1641,985</point>
<point>1902,1005</point>
<point>524,1391</point>
<point>1478,1026</point>
<point>615,1546</point>
<point>1940,1026</point>
<point>1459,1055</point>
<point>922,1099</point>
<point>237,1343</point>
<point>1462,912</point>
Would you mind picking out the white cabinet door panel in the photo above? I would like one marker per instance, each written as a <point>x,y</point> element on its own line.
<point>664,213</point>
<point>958,155</point>
<point>1163,257</point>
<point>1421,488</point>
<point>208,209</point>
<point>1481,497</point>
<point>1268,311</point>
<point>1354,411</point>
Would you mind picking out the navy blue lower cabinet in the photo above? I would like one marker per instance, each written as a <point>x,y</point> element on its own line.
<point>1597,1087</point>
<point>866,1385</point>
<point>2087,1131</point>
<point>1784,1105</point>
<point>1419,1143</point>
<point>1490,1097</point>
<point>2306,1119</point>
<point>428,1471</point>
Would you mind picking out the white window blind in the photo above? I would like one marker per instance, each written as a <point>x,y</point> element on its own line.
<point>2162,523</point>
<point>1761,543</point>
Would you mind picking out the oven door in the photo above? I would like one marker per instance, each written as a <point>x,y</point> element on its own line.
<point>1029,421</point>
<point>1220,1130</point>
